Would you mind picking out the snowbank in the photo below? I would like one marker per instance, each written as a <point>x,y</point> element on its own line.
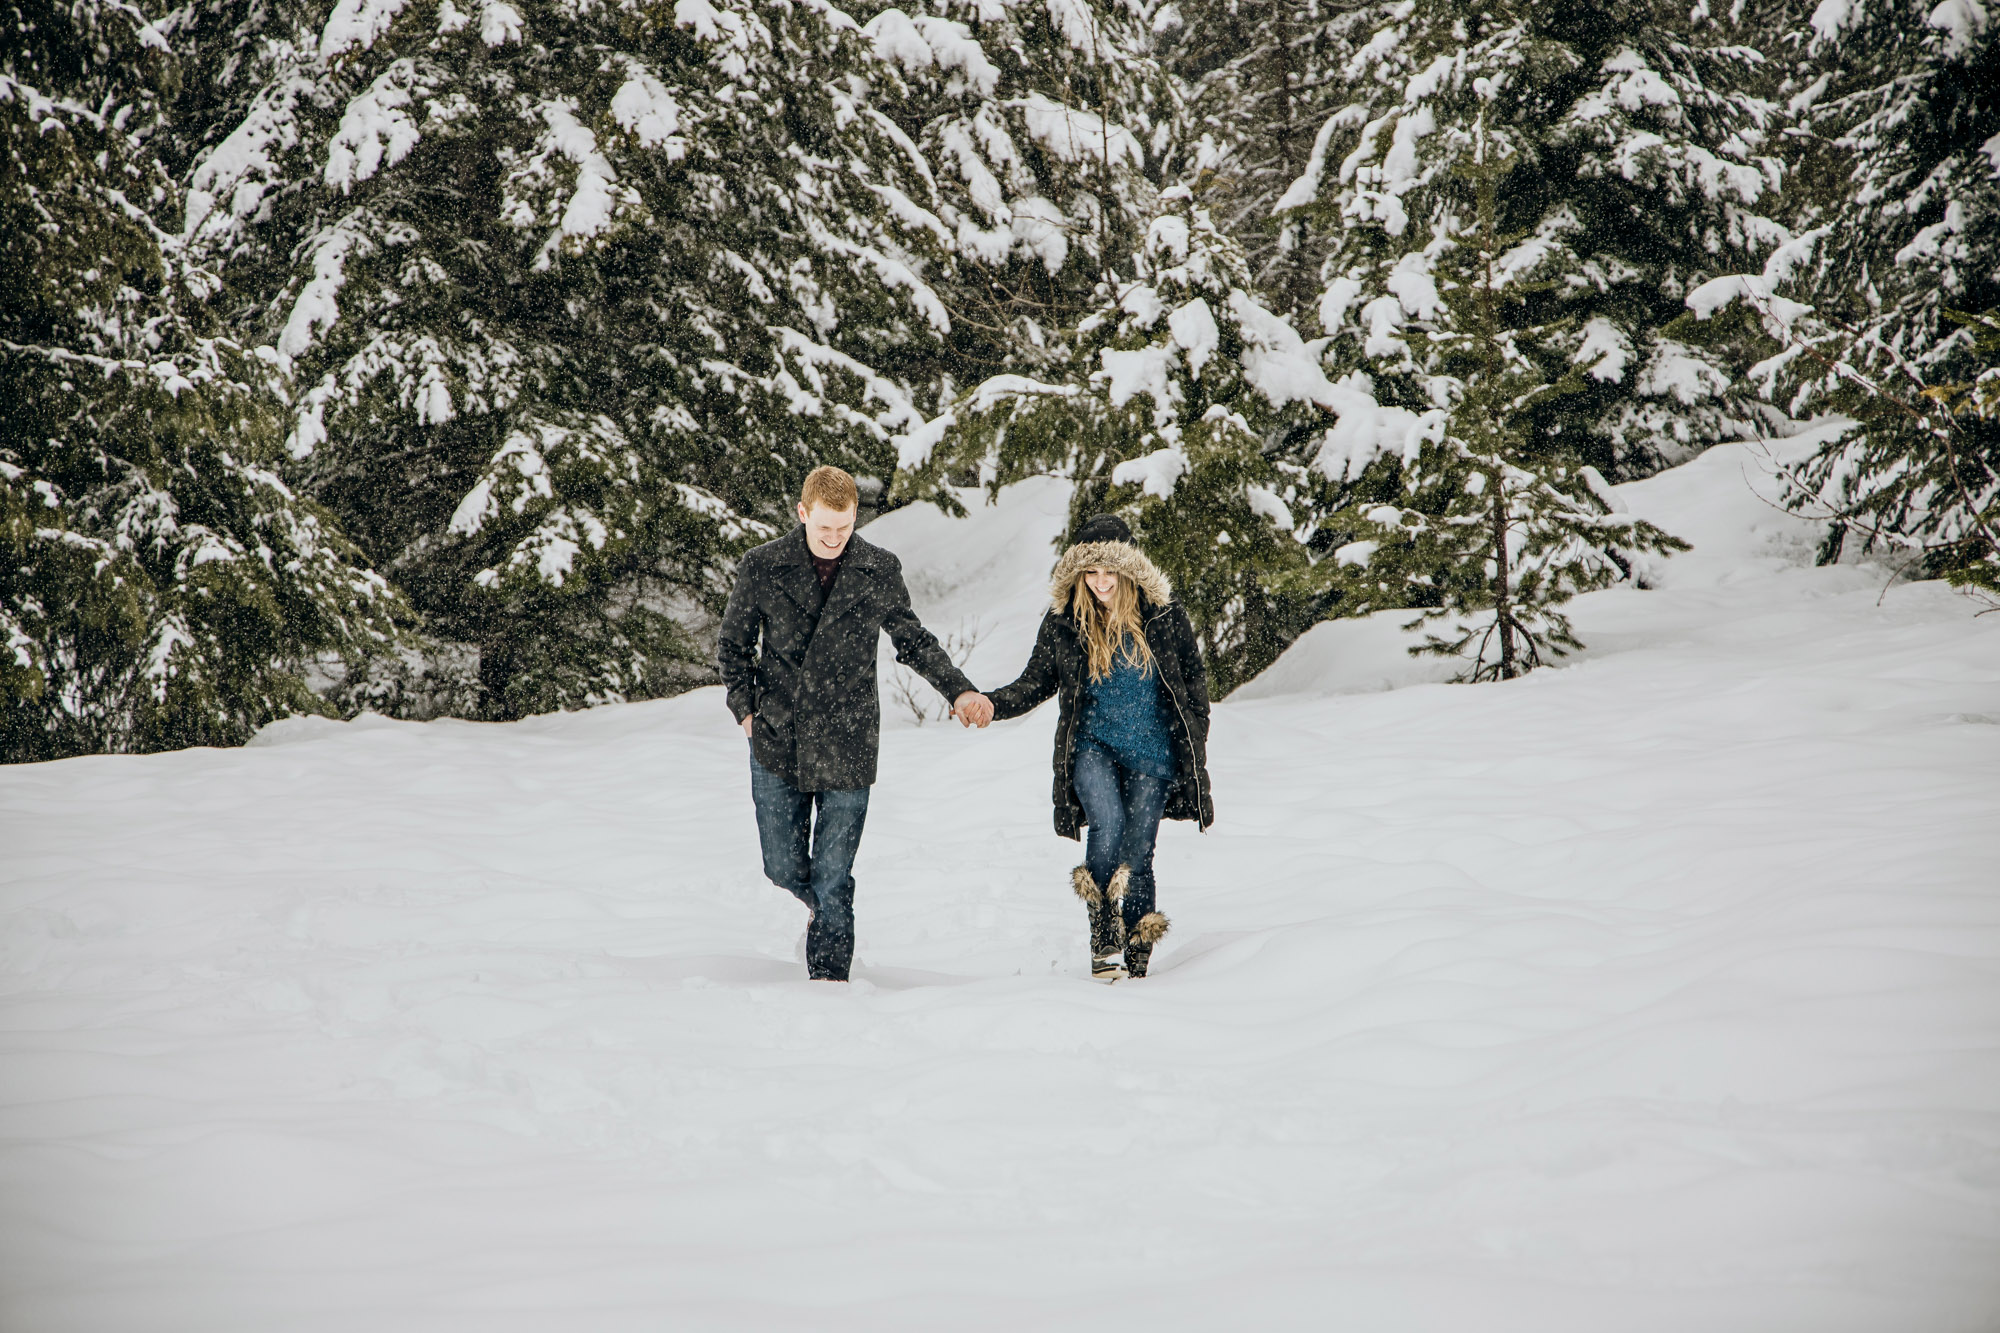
<point>982,580</point>
<point>1349,657</point>
<point>1724,502</point>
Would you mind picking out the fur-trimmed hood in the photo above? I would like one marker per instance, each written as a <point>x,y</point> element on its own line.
<point>1119,557</point>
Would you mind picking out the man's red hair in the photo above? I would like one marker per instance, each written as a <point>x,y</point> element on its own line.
<point>831,487</point>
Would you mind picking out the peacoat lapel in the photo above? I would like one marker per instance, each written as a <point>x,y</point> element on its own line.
<point>795,574</point>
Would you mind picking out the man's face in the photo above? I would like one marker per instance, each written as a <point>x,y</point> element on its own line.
<point>827,530</point>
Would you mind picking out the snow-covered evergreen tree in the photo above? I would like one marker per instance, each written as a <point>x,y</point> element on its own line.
<point>1193,411</point>
<point>1264,80</point>
<point>1640,144</point>
<point>1899,106</point>
<point>575,294</point>
<point>1491,533</point>
<point>1044,124</point>
<point>160,585</point>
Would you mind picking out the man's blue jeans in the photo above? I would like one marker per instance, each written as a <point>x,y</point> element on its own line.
<point>813,860</point>
<point>1123,810</point>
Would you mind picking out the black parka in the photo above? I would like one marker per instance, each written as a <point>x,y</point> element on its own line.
<point>1060,666</point>
<point>807,671</point>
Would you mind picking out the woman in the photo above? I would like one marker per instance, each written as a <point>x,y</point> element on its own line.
<point>1132,741</point>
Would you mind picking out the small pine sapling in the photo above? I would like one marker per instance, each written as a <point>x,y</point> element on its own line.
<point>1492,534</point>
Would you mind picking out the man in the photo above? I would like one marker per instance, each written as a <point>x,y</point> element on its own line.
<point>818,598</point>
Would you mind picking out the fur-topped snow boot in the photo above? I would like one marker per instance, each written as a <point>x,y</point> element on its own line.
<point>1107,927</point>
<point>1139,942</point>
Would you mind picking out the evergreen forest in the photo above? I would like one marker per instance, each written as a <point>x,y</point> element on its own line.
<point>440,357</point>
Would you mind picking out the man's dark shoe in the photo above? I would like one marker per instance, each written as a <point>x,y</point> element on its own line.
<point>828,953</point>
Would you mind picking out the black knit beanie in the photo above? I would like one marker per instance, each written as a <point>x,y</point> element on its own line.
<point>1103,528</point>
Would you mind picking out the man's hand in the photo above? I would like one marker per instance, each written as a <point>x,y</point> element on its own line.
<point>746,722</point>
<point>972,709</point>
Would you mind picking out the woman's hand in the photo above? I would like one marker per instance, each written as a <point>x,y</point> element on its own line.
<point>972,709</point>
<point>746,722</point>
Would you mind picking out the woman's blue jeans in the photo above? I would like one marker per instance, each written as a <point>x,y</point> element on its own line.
<point>813,859</point>
<point>1123,810</point>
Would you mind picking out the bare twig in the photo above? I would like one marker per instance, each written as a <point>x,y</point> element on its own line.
<point>906,689</point>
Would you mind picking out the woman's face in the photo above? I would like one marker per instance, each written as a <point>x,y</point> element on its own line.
<point>1102,583</point>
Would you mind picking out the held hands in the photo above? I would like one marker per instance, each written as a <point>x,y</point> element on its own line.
<point>971,709</point>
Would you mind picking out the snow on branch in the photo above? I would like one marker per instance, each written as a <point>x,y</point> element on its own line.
<point>893,272</point>
<point>1078,25</point>
<point>499,23</point>
<point>919,43</point>
<point>897,409</point>
<point>1157,473</point>
<point>1761,289</point>
<point>914,447</point>
<point>356,23</point>
<point>246,164</point>
<point>1076,136</point>
<point>374,129</point>
<point>318,307</point>
<point>1305,189</point>
<point>644,108</point>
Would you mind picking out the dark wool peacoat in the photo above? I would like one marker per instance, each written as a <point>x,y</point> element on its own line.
<point>1060,666</point>
<point>812,685</point>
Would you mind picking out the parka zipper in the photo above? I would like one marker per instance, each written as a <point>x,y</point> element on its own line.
<point>1188,732</point>
<point>1069,753</point>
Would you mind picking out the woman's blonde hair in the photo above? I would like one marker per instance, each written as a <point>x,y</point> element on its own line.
<point>1113,631</point>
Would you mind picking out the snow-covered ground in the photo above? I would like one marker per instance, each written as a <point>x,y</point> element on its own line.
<point>1659,992</point>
